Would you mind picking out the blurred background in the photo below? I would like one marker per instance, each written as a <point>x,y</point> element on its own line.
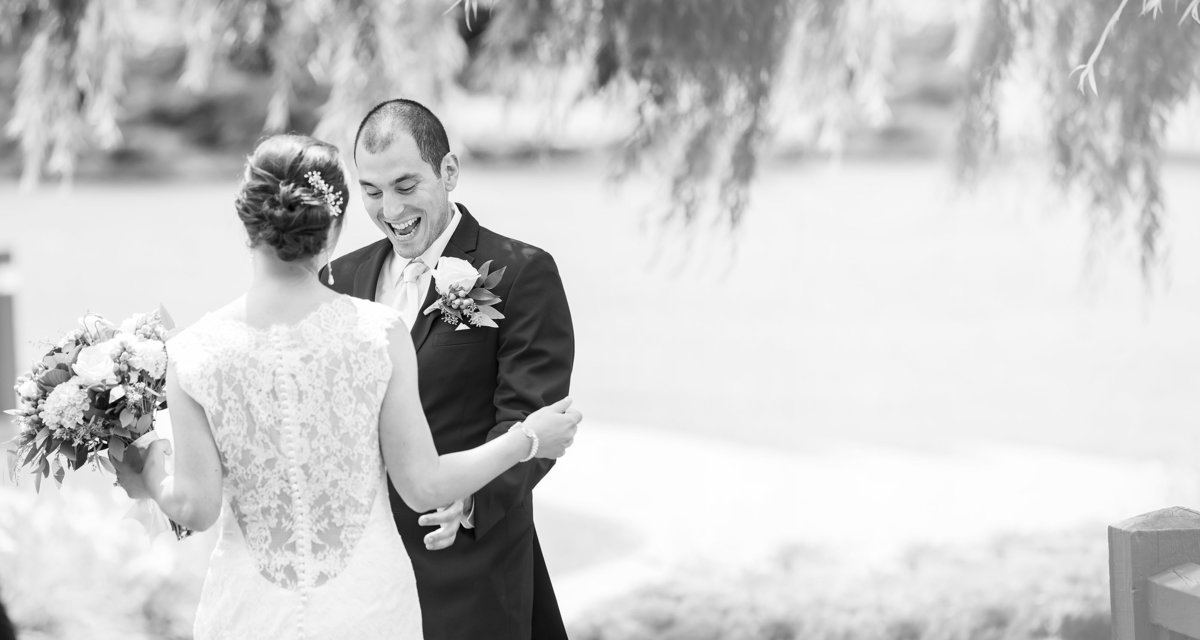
<point>885,309</point>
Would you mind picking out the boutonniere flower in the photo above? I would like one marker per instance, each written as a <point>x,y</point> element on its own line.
<point>464,293</point>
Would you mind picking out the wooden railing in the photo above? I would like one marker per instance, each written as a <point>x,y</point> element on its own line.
<point>1154,576</point>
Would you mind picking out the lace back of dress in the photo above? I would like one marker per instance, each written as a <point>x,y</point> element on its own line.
<point>295,414</point>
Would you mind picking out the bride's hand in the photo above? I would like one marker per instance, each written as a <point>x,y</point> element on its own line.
<point>555,427</point>
<point>137,468</point>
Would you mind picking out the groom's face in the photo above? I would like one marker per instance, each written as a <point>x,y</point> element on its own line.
<point>404,197</point>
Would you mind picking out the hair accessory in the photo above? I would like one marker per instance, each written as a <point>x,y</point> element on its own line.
<point>333,199</point>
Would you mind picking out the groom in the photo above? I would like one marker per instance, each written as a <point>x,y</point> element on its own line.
<point>489,579</point>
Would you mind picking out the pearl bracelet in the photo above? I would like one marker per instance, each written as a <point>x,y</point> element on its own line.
<point>533,448</point>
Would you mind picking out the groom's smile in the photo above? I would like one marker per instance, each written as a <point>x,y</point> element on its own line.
<point>406,230</point>
<point>411,229</point>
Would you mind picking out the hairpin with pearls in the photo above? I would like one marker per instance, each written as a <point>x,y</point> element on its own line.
<point>334,200</point>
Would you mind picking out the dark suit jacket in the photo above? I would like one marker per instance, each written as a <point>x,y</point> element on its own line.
<point>475,384</point>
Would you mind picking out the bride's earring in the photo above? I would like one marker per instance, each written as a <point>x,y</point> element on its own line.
<point>329,269</point>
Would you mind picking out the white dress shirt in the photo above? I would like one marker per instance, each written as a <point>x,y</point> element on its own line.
<point>387,291</point>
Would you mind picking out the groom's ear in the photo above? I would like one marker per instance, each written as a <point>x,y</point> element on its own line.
<point>450,171</point>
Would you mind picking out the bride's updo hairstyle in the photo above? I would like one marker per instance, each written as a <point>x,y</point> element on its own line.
<point>284,204</point>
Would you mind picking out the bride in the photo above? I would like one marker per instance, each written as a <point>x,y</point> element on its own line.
<point>288,405</point>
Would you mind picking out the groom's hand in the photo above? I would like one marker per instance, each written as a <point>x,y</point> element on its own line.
<point>446,519</point>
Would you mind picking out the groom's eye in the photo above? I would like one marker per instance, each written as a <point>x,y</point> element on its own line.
<point>406,187</point>
<point>372,193</point>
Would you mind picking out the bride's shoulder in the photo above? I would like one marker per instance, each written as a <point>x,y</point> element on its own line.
<point>208,323</point>
<point>233,310</point>
<point>373,315</point>
<point>372,308</point>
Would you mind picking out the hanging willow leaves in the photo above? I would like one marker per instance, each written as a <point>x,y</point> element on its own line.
<point>706,77</point>
<point>702,78</point>
<point>703,81</point>
<point>70,79</point>
<point>364,51</point>
<point>1107,122</point>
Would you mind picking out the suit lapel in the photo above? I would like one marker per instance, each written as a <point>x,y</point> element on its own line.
<point>462,245</point>
<point>366,277</point>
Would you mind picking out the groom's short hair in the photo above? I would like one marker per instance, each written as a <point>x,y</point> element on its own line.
<point>378,130</point>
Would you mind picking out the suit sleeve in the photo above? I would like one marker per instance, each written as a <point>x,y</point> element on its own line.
<point>535,354</point>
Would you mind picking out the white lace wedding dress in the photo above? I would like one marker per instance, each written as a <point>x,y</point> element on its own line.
<point>307,546</point>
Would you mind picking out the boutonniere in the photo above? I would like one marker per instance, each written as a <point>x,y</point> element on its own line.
<point>464,294</point>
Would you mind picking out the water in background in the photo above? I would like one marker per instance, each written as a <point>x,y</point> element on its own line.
<point>864,302</point>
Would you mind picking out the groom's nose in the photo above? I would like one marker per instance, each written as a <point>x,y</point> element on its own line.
<point>393,205</point>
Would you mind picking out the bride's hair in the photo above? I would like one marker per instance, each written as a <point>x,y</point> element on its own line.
<point>281,206</point>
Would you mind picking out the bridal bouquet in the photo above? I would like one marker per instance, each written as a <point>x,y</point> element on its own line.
<point>91,396</point>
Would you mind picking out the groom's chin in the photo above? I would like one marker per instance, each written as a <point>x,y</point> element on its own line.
<point>407,249</point>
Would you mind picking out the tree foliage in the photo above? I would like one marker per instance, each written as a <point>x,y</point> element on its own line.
<point>1106,125</point>
<point>700,77</point>
<point>704,81</point>
<point>71,77</point>
<point>363,51</point>
<point>704,75</point>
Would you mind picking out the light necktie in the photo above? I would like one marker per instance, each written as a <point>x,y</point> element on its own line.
<point>410,292</point>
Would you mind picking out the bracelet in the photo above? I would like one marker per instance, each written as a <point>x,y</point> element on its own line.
<point>533,448</point>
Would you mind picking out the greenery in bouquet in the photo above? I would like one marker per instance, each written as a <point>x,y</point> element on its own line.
<point>94,391</point>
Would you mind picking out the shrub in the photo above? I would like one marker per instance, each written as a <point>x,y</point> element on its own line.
<point>71,567</point>
<point>1045,586</point>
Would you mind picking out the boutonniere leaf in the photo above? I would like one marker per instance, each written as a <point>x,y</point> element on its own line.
<point>490,280</point>
<point>483,296</point>
<point>464,296</point>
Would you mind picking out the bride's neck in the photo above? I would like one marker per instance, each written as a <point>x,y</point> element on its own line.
<point>270,274</point>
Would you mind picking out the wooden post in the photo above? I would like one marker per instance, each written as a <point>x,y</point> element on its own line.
<point>8,343</point>
<point>1139,549</point>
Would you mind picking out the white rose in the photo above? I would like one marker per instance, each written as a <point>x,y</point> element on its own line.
<point>28,389</point>
<point>95,364</point>
<point>149,356</point>
<point>452,271</point>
